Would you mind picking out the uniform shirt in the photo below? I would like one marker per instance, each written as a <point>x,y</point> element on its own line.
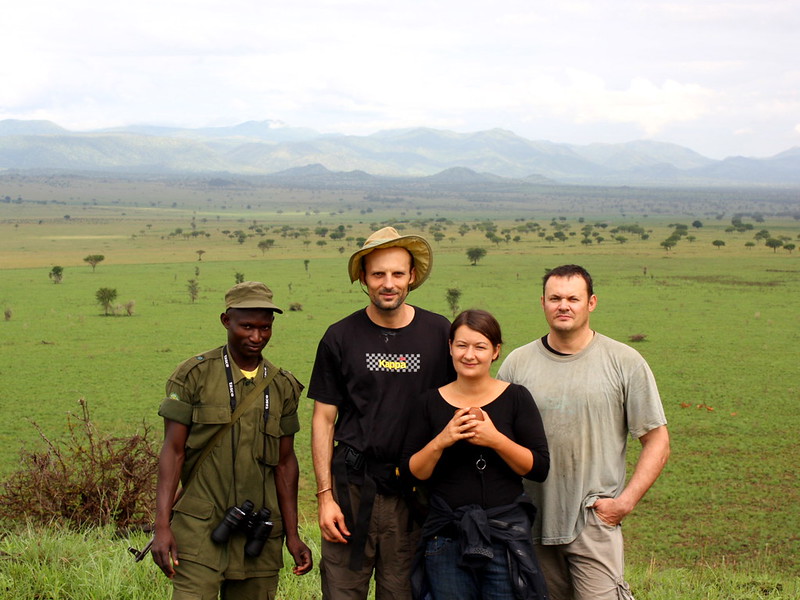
<point>370,373</point>
<point>241,466</point>
<point>590,402</point>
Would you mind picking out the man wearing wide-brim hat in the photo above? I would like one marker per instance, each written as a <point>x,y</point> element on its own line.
<point>369,366</point>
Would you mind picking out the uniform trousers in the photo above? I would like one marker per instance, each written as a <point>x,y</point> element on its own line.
<point>194,581</point>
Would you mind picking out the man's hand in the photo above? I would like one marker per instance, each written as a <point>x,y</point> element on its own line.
<point>611,511</point>
<point>165,551</point>
<point>331,519</point>
<point>654,455</point>
<point>303,562</point>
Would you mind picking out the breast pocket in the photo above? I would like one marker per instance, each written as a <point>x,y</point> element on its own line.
<point>266,448</point>
<point>206,420</point>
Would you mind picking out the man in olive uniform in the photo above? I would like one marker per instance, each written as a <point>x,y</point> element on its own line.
<point>230,417</point>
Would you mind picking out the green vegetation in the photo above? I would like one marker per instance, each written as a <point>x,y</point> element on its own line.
<point>716,324</point>
<point>453,295</point>
<point>475,254</point>
<point>94,260</point>
<point>105,298</point>
<point>56,274</point>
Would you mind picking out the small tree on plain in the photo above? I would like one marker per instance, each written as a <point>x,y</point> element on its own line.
<point>56,274</point>
<point>105,297</point>
<point>200,255</point>
<point>7,314</point>
<point>789,247</point>
<point>239,277</point>
<point>94,260</point>
<point>773,243</point>
<point>453,295</point>
<point>194,289</point>
<point>475,254</point>
<point>718,243</point>
<point>668,244</point>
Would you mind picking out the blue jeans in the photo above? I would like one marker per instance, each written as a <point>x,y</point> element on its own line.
<point>449,581</point>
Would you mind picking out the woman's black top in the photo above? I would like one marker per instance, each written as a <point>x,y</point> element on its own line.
<point>457,478</point>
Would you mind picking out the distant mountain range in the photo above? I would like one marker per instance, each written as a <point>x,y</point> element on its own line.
<point>272,149</point>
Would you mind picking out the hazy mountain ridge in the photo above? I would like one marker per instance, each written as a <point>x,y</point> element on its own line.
<point>268,147</point>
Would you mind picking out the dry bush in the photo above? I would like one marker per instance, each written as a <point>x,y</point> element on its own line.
<point>87,479</point>
<point>637,337</point>
<point>295,306</point>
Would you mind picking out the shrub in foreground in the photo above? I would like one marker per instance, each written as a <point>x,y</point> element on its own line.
<point>85,480</point>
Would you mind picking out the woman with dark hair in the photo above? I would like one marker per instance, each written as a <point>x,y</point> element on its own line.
<point>471,442</point>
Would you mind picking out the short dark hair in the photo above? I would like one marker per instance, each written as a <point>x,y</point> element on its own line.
<point>481,321</point>
<point>570,271</point>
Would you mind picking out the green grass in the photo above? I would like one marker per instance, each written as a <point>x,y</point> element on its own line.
<point>95,564</point>
<point>721,333</point>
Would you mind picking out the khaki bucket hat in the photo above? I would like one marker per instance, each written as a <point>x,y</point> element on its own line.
<point>388,237</point>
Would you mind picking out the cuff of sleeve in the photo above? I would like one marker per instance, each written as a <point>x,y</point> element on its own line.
<point>175,410</point>
<point>290,424</point>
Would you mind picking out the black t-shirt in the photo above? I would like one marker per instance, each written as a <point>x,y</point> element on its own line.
<point>456,479</point>
<point>371,373</point>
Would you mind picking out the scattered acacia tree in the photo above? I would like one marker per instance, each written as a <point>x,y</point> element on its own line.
<point>718,243</point>
<point>94,260</point>
<point>200,255</point>
<point>475,254</point>
<point>194,289</point>
<point>773,243</point>
<point>265,245</point>
<point>56,274</point>
<point>453,295</point>
<point>239,277</point>
<point>668,244</point>
<point>789,247</point>
<point>105,297</point>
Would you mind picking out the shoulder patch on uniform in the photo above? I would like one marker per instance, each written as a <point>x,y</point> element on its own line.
<point>173,396</point>
<point>200,357</point>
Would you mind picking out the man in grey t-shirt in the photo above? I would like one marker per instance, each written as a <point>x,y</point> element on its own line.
<point>592,393</point>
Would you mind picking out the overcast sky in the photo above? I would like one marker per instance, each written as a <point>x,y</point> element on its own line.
<point>720,77</point>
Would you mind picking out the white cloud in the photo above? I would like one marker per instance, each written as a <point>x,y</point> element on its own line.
<point>691,72</point>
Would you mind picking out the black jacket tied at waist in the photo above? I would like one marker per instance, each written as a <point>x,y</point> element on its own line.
<point>477,530</point>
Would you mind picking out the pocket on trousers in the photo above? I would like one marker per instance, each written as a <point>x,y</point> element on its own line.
<point>437,545</point>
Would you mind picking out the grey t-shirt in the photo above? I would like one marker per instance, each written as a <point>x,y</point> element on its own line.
<point>589,403</point>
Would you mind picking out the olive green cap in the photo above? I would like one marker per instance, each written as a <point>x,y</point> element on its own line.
<point>250,294</point>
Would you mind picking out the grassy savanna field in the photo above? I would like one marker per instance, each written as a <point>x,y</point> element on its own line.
<point>721,331</point>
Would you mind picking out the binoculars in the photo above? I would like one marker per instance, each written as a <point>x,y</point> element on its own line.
<point>255,525</point>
